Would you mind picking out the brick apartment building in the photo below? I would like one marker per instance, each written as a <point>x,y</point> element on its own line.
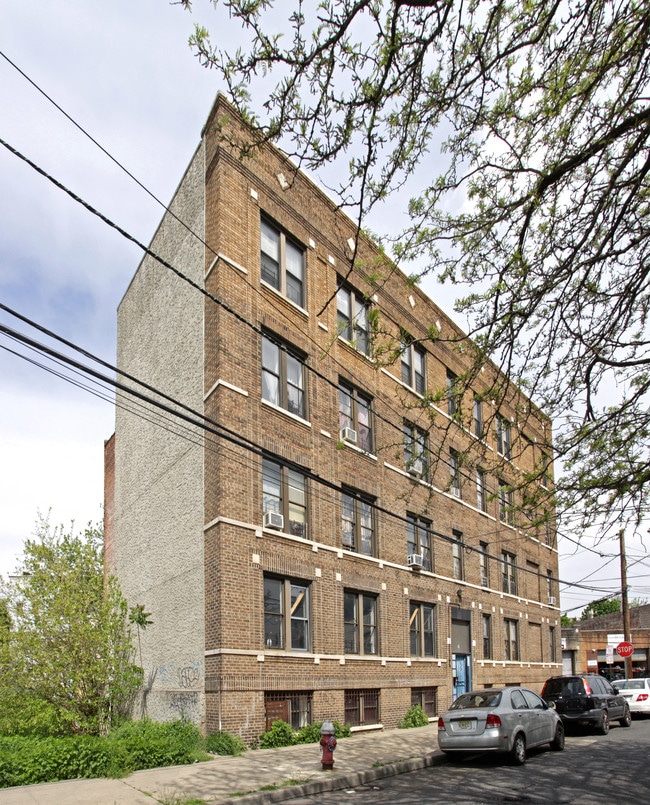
<point>326,550</point>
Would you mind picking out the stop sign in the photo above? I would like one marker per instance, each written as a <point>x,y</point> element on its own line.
<point>624,649</point>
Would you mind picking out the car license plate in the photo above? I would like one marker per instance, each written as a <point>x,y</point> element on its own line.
<point>465,725</point>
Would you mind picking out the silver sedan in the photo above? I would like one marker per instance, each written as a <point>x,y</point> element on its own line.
<point>509,720</point>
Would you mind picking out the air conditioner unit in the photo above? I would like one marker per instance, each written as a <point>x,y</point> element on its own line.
<point>348,435</point>
<point>415,560</point>
<point>484,581</point>
<point>552,600</point>
<point>417,467</point>
<point>273,520</point>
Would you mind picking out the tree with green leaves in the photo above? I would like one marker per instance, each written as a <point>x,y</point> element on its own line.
<point>602,606</point>
<point>514,135</point>
<point>66,659</point>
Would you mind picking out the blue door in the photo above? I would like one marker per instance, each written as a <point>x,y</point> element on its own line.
<point>462,674</point>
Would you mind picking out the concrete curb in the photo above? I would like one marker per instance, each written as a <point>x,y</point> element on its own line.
<point>336,783</point>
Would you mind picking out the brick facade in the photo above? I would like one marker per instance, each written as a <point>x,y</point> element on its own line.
<point>333,575</point>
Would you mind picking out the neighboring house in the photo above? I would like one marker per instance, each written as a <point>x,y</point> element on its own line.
<point>352,562</point>
<point>584,644</point>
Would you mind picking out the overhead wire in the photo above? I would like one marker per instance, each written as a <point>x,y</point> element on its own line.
<point>146,249</point>
<point>201,421</point>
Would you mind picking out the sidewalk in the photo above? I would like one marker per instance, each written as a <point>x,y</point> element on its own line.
<point>362,758</point>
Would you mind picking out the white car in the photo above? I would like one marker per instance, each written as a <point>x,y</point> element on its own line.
<point>636,693</point>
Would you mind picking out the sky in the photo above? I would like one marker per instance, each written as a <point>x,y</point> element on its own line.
<point>124,72</point>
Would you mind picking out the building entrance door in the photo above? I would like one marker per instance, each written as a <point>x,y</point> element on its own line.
<point>461,647</point>
<point>462,674</point>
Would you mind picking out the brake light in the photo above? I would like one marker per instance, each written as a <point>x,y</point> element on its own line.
<point>587,688</point>
<point>492,721</point>
<point>642,697</point>
<point>441,724</point>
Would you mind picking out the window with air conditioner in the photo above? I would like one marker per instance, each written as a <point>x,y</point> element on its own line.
<point>418,540</point>
<point>284,498</point>
<point>355,417</point>
<point>415,450</point>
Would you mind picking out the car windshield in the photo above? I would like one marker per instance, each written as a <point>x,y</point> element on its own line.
<point>630,684</point>
<point>484,698</point>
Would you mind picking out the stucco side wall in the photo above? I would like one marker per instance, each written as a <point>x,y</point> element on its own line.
<point>158,515</point>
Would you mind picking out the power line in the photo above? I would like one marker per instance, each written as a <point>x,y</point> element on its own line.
<point>215,429</point>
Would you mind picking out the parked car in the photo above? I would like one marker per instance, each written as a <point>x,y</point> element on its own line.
<point>587,700</point>
<point>510,720</point>
<point>636,693</point>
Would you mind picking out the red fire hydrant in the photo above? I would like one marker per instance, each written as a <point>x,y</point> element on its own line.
<point>327,745</point>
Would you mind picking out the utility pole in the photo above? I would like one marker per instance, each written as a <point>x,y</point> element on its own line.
<point>624,605</point>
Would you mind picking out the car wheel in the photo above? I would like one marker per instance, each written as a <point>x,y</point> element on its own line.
<point>518,751</point>
<point>558,741</point>
<point>603,727</point>
<point>626,721</point>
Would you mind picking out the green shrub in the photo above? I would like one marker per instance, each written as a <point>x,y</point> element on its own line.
<point>224,743</point>
<point>280,734</point>
<point>309,734</point>
<point>149,744</point>
<point>28,760</point>
<point>414,717</point>
<point>137,745</point>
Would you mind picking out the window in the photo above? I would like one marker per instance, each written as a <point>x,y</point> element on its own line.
<point>511,647</point>
<point>426,698</point>
<point>355,413</point>
<point>415,450</point>
<point>553,647</point>
<point>487,637</point>
<point>283,378</point>
<point>412,365</point>
<point>422,630</point>
<point>545,477</point>
<point>481,490</point>
<point>357,523</point>
<point>283,263</point>
<point>509,572</point>
<point>453,395</point>
<point>285,491</point>
<point>478,418</point>
<point>361,707</point>
<point>286,614</point>
<point>550,587</point>
<point>293,707</point>
<point>504,445</point>
<point>548,530</point>
<point>457,554</point>
<point>506,503</point>
<point>418,539</point>
<point>454,472</point>
<point>484,567</point>
<point>352,317</point>
<point>360,623</point>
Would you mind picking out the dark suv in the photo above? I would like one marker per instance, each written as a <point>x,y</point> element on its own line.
<point>588,700</point>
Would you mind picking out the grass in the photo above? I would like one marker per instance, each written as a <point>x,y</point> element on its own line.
<point>270,787</point>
